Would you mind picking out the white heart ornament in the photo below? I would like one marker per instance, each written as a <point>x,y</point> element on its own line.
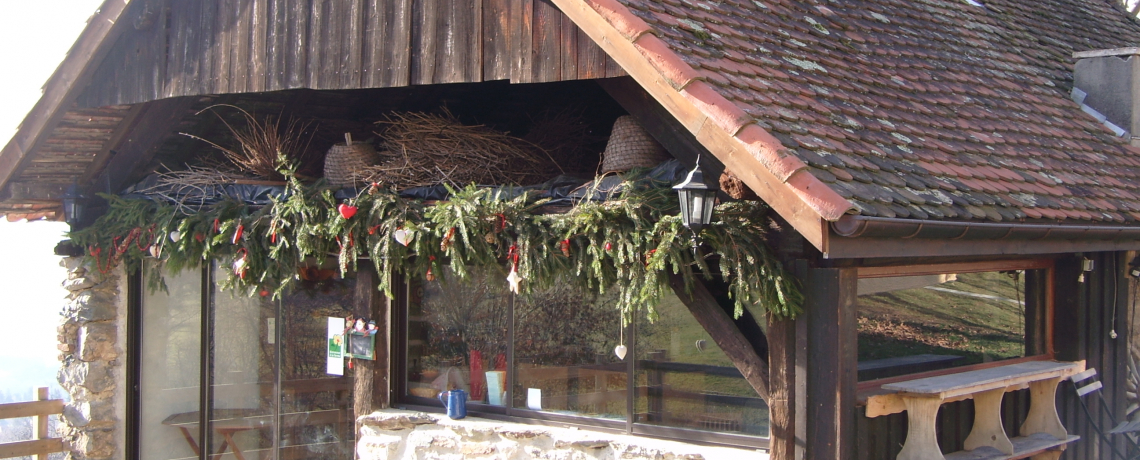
<point>403,236</point>
<point>620,351</point>
<point>154,251</point>
<point>175,236</point>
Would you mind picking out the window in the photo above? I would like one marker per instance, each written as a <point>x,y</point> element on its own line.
<point>551,356</point>
<point>266,392</point>
<point>930,318</point>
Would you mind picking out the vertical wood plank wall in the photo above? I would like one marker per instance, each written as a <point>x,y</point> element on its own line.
<point>196,47</point>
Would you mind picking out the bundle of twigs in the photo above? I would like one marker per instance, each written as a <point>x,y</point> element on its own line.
<point>420,149</point>
<point>262,143</point>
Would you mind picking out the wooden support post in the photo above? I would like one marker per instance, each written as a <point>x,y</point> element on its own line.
<point>724,332</point>
<point>370,377</point>
<point>988,429</point>
<point>41,421</point>
<point>829,311</point>
<point>782,388</point>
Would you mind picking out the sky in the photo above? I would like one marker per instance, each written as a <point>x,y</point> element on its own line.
<point>34,37</point>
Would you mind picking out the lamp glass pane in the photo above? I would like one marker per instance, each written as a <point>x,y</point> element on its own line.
<point>708,198</point>
<point>686,217</point>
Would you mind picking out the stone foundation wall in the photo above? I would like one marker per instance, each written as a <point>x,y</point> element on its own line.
<point>406,435</point>
<point>92,352</point>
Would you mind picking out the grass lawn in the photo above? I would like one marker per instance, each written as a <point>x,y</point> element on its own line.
<point>976,316</point>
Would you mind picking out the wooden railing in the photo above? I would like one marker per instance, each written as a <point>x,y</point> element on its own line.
<point>40,445</point>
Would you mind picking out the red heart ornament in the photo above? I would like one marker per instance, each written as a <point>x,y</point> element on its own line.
<point>346,211</point>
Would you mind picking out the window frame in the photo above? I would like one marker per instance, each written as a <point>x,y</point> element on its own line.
<point>402,400</point>
<point>867,387</point>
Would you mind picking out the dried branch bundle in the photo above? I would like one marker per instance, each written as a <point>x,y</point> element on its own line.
<point>262,143</point>
<point>424,149</point>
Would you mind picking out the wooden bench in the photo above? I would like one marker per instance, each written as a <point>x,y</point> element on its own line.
<point>1042,435</point>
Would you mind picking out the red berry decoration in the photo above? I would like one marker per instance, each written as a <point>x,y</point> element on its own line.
<point>238,233</point>
<point>609,246</point>
<point>264,293</point>
<point>566,248</point>
<point>346,211</point>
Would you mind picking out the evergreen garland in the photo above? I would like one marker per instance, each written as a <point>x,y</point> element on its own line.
<point>627,242</point>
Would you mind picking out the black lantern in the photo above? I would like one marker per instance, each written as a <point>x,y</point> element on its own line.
<point>697,201</point>
<point>74,205</point>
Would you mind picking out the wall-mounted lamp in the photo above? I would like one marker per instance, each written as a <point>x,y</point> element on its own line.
<point>697,202</point>
<point>74,205</point>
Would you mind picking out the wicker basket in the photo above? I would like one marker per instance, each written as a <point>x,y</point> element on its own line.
<point>630,146</point>
<point>345,164</point>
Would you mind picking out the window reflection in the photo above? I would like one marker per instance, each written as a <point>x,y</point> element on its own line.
<point>911,324</point>
<point>564,341</point>
<point>684,380</point>
<point>457,337</point>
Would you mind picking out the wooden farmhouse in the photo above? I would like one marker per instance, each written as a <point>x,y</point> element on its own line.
<point>925,240</point>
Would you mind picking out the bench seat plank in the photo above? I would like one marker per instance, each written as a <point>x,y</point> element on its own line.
<point>953,385</point>
<point>1023,447</point>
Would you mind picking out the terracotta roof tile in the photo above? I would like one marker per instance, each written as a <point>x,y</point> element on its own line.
<point>912,109</point>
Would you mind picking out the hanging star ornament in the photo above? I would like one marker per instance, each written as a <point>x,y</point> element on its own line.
<point>514,279</point>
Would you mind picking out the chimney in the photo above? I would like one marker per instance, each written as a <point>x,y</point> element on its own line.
<point>1106,83</point>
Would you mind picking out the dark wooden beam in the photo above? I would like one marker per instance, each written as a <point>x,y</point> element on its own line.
<point>136,149</point>
<point>829,311</point>
<point>1069,323</point>
<point>64,86</point>
<point>782,388</point>
<point>661,124</point>
<point>724,332</point>
<point>33,192</point>
<point>849,248</point>
<point>370,377</point>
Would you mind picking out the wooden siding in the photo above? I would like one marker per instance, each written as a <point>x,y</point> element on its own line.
<point>192,47</point>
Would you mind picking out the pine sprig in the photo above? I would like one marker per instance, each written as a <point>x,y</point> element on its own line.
<point>629,243</point>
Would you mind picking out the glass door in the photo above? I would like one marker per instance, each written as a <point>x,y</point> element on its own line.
<point>316,404</point>
<point>170,357</point>
<point>243,369</point>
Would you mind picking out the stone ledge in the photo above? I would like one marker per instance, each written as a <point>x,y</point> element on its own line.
<point>399,434</point>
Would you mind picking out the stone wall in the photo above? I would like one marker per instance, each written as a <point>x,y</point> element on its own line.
<point>92,352</point>
<point>406,435</point>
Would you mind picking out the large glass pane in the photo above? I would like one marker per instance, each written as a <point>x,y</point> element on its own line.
<point>316,405</point>
<point>457,337</point>
<point>564,343</point>
<point>685,380</point>
<point>910,324</point>
<point>243,412</point>
<point>170,357</point>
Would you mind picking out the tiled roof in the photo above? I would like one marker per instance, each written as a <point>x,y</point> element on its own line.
<point>925,109</point>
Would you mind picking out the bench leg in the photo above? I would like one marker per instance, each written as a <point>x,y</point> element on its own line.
<point>1042,417</point>
<point>988,430</point>
<point>921,438</point>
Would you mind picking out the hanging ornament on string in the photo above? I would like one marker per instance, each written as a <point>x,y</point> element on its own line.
<point>565,247</point>
<point>240,265</point>
<point>346,210</point>
<point>175,236</point>
<point>403,237</point>
<point>621,350</point>
<point>429,275</point>
<point>448,240</point>
<point>238,233</point>
<point>513,278</point>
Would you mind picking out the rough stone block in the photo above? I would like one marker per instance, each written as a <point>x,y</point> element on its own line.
<point>92,306</point>
<point>97,341</point>
<point>396,421</point>
<point>95,376</point>
<point>378,446</point>
<point>79,284</point>
<point>95,444</point>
